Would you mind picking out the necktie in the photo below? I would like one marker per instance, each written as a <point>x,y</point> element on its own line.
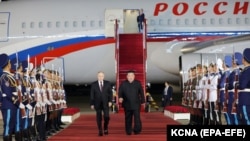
<point>101,85</point>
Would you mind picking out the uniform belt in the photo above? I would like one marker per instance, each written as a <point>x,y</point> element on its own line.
<point>231,90</point>
<point>244,90</point>
<point>222,89</point>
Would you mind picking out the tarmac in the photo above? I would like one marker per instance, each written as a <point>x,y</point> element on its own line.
<point>82,102</point>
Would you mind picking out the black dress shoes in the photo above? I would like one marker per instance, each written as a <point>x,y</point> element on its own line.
<point>106,132</point>
<point>136,133</point>
<point>128,133</point>
<point>100,133</point>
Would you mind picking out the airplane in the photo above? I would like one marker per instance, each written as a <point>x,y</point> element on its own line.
<point>77,37</point>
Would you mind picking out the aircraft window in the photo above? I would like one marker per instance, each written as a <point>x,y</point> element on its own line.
<point>237,20</point>
<point>83,23</point>
<point>220,21</point>
<point>58,24</point>
<point>152,22</point>
<point>203,21</point>
<point>40,24</point>
<point>23,25</point>
<point>186,21</point>
<point>49,24</point>
<point>246,20</point>
<point>66,24</point>
<point>74,23</point>
<point>92,23</point>
<point>100,23</point>
<point>32,25</point>
<point>161,22</point>
<point>195,21</point>
<point>229,21</point>
<point>169,21</point>
<point>212,21</point>
<point>178,22</point>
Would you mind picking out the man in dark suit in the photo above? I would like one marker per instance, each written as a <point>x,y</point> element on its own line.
<point>101,100</point>
<point>131,95</point>
<point>140,20</point>
<point>167,95</point>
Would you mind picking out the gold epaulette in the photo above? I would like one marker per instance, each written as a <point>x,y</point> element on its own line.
<point>10,79</point>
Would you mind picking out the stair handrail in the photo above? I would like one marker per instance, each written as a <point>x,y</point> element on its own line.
<point>117,59</point>
<point>145,51</point>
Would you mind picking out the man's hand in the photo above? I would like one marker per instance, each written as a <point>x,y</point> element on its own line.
<point>92,107</point>
<point>120,100</point>
<point>110,104</point>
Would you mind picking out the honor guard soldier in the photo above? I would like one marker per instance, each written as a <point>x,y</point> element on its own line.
<point>16,68</point>
<point>48,93</point>
<point>198,93</point>
<point>31,99</point>
<point>244,90</point>
<point>192,93</point>
<point>204,97</point>
<point>212,85</point>
<point>218,71</point>
<point>41,110</point>
<point>9,99</point>
<point>223,87</point>
<point>26,86</point>
<point>232,90</point>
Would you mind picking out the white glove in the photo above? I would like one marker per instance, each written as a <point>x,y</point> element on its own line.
<point>21,106</point>
<point>38,105</point>
<point>14,93</point>
<point>4,95</point>
<point>27,89</point>
<point>19,87</point>
<point>48,102</point>
<point>53,101</point>
<point>29,106</point>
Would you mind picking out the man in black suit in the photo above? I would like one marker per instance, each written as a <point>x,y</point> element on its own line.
<point>131,95</point>
<point>140,20</point>
<point>167,95</point>
<point>100,101</point>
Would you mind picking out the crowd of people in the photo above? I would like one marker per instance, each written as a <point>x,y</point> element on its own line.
<point>220,89</point>
<point>32,100</point>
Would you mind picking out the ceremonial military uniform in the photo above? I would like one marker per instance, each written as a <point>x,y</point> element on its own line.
<point>232,90</point>
<point>9,98</point>
<point>243,109</point>
<point>223,84</point>
<point>212,94</point>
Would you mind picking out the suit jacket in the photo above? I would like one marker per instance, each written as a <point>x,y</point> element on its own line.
<point>100,98</point>
<point>132,94</point>
<point>169,92</point>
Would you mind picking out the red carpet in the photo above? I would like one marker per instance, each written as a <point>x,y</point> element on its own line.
<point>84,128</point>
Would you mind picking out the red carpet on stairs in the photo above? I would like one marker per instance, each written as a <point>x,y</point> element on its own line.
<point>84,128</point>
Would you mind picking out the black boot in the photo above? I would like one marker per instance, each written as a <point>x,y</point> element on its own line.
<point>33,133</point>
<point>26,135</point>
<point>18,136</point>
<point>6,138</point>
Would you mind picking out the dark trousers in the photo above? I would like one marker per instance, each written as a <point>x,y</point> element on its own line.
<point>140,26</point>
<point>40,124</point>
<point>9,121</point>
<point>129,116</point>
<point>99,117</point>
<point>243,114</point>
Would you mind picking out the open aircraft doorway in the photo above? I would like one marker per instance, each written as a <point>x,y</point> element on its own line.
<point>127,20</point>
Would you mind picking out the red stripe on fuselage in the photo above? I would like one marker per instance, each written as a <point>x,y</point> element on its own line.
<point>69,49</point>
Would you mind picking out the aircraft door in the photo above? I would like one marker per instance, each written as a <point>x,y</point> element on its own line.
<point>4,23</point>
<point>110,16</point>
<point>130,20</point>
